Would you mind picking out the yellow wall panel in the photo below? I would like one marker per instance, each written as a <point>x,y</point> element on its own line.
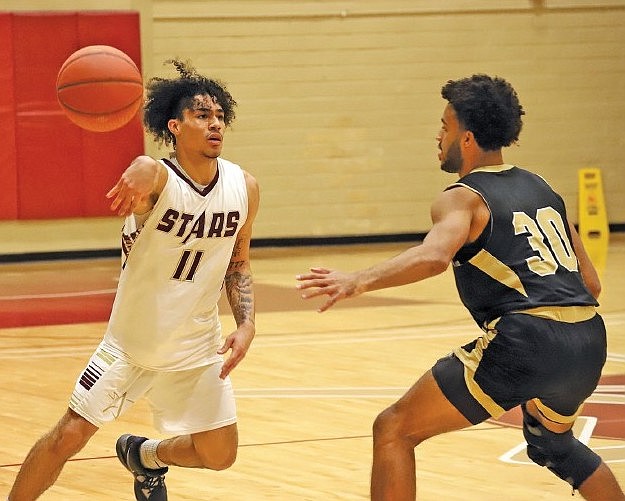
<point>363,90</point>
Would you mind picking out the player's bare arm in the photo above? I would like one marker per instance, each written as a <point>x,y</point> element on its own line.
<point>138,187</point>
<point>239,288</point>
<point>586,268</point>
<point>458,217</point>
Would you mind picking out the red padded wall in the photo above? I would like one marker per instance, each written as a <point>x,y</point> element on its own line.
<point>62,170</point>
<point>8,162</point>
<point>49,153</point>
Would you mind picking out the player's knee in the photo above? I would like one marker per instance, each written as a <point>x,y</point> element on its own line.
<point>69,435</point>
<point>220,458</point>
<point>383,425</point>
<point>561,453</point>
<point>216,449</point>
<point>66,440</point>
<point>224,461</point>
<point>388,428</point>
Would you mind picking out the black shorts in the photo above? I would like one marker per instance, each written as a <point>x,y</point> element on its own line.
<point>522,357</point>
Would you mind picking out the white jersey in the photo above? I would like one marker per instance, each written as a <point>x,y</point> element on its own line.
<point>165,314</point>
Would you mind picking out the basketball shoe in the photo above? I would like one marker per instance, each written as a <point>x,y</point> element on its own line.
<point>149,483</point>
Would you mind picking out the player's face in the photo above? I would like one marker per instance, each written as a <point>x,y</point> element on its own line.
<point>202,127</point>
<point>448,139</point>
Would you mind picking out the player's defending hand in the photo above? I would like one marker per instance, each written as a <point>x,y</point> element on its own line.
<point>132,191</point>
<point>334,284</point>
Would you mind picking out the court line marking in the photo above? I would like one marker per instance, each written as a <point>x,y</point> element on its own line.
<point>56,295</point>
<point>258,444</point>
<point>319,338</point>
<point>308,338</point>
<point>584,436</point>
<point>617,317</point>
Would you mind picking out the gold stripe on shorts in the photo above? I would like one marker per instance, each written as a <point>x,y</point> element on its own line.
<point>471,361</point>
<point>568,314</point>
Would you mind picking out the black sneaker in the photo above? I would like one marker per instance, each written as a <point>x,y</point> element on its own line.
<point>149,483</point>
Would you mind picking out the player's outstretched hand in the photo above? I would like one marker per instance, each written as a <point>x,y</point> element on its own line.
<point>135,186</point>
<point>335,284</point>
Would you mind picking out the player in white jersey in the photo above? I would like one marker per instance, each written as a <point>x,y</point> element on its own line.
<point>186,236</point>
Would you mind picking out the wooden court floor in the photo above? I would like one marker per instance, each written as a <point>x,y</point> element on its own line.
<point>307,393</point>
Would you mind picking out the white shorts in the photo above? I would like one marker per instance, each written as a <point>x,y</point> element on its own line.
<point>182,402</point>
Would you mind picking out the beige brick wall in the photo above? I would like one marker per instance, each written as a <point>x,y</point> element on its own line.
<point>339,101</point>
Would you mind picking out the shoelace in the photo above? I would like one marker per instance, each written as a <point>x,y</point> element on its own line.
<point>151,483</point>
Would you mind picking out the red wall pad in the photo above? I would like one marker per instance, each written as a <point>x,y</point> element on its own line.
<point>8,161</point>
<point>62,170</point>
<point>49,153</point>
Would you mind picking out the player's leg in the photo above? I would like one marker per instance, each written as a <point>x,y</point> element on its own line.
<point>213,449</point>
<point>553,445</point>
<point>148,460</point>
<point>46,459</point>
<point>101,394</point>
<point>601,486</point>
<point>198,409</point>
<point>421,413</point>
<point>195,406</point>
<point>547,422</point>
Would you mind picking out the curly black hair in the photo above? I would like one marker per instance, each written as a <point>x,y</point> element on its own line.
<point>168,97</point>
<point>487,106</point>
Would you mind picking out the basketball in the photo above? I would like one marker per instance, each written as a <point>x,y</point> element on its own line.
<point>99,88</point>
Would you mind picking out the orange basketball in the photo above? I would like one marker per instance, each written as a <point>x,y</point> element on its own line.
<point>99,88</point>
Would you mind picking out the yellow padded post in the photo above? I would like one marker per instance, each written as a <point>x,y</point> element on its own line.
<point>593,219</point>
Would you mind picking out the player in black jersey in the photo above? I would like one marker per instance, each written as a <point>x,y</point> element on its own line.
<point>523,274</point>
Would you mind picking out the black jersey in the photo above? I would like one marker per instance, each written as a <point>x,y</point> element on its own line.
<point>524,258</point>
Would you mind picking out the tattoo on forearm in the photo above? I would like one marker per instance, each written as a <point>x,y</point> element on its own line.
<point>240,294</point>
<point>238,245</point>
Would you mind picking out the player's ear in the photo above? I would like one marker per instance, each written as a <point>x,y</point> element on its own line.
<point>174,126</point>
<point>468,138</point>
